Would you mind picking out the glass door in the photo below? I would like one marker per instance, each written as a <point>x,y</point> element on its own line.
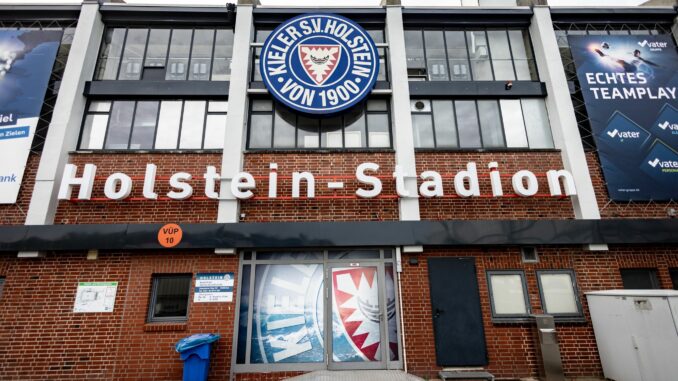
<point>358,316</point>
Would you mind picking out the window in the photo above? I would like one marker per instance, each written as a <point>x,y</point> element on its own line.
<point>558,292</point>
<point>272,125</point>
<point>169,298</point>
<point>674,277</point>
<point>154,124</point>
<point>479,55</point>
<point>165,54</point>
<point>377,36</point>
<point>503,123</point>
<point>2,285</point>
<point>508,294</point>
<point>640,279</point>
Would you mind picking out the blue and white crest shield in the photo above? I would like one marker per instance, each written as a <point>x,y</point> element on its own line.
<point>319,63</point>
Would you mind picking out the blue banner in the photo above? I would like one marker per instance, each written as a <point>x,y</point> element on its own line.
<point>26,60</point>
<point>629,85</point>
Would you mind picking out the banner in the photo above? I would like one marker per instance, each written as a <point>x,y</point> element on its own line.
<point>629,85</point>
<point>26,60</point>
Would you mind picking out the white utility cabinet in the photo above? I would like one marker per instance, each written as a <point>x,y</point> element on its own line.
<point>637,333</point>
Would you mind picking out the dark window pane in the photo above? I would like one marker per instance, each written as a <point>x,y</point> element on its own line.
<point>171,297</point>
<point>501,55</point>
<point>353,254</point>
<point>120,125</point>
<point>133,54</point>
<point>282,256</point>
<point>2,285</point>
<point>479,55</point>
<point>640,279</point>
<point>458,56</point>
<point>284,131</point>
<point>377,105</point>
<point>490,124</point>
<point>201,54</point>
<point>180,49</point>
<point>262,105</point>
<point>331,133</point>
<point>144,125</point>
<point>414,50</point>
<point>674,278</point>
<point>377,35</point>
<point>467,124</point>
<point>422,126</point>
<point>377,125</point>
<point>261,126</point>
<point>223,53</point>
<point>445,123</point>
<point>307,133</point>
<point>435,56</point>
<point>156,53</point>
<point>354,132</point>
<point>111,52</point>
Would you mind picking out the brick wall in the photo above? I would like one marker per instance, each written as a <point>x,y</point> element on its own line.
<point>486,207</point>
<point>15,214</point>
<point>43,339</point>
<point>195,210</point>
<point>325,167</point>
<point>511,348</point>
<point>612,209</point>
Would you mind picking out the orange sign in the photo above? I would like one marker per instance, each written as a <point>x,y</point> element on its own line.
<point>170,235</point>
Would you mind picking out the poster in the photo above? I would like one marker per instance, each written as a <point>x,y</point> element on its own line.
<point>629,85</point>
<point>26,60</point>
<point>95,297</point>
<point>213,287</point>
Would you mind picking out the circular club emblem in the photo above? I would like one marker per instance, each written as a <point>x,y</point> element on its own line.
<point>319,63</point>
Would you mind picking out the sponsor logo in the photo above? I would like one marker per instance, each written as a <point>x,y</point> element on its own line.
<point>665,165</point>
<point>621,135</point>
<point>14,132</point>
<point>654,46</point>
<point>672,127</point>
<point>319,63</point>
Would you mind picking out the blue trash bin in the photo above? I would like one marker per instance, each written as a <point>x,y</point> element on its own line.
<point>195,353</point>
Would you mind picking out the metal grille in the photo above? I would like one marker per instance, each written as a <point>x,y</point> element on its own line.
<point>68,28</point>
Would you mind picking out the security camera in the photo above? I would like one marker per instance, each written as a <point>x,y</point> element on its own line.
<point>419,105</point>
<point>508,85</point>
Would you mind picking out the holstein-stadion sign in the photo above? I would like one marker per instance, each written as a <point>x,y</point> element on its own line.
<point>26,59</point>
<point>629,85</point>
<point>319,63</point>
<point>243,185</point>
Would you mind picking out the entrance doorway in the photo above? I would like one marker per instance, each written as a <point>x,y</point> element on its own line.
<point>310,310</point>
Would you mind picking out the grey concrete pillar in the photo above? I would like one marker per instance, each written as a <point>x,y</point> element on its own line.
<point>64,128</point>
<point>403,138</point>
<point>234,141</point>
<point>561,115</point>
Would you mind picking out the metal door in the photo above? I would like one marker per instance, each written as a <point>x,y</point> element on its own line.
<point>457,318</point>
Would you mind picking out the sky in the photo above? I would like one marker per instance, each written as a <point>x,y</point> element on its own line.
<point>333,2</point>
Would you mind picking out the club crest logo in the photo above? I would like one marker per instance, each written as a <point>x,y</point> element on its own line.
<point>319,63</point>
<point>356,298</point>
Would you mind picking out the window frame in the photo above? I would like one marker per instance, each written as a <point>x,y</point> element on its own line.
<point>482,147</point>
<point>155,279</point>
<point>100,64</point>
<point>575,289</point>
<point>652,272</point>
<point>534,70</point>
<point>275,105</point>
<point>509,318</point>
<point>160,101</point>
